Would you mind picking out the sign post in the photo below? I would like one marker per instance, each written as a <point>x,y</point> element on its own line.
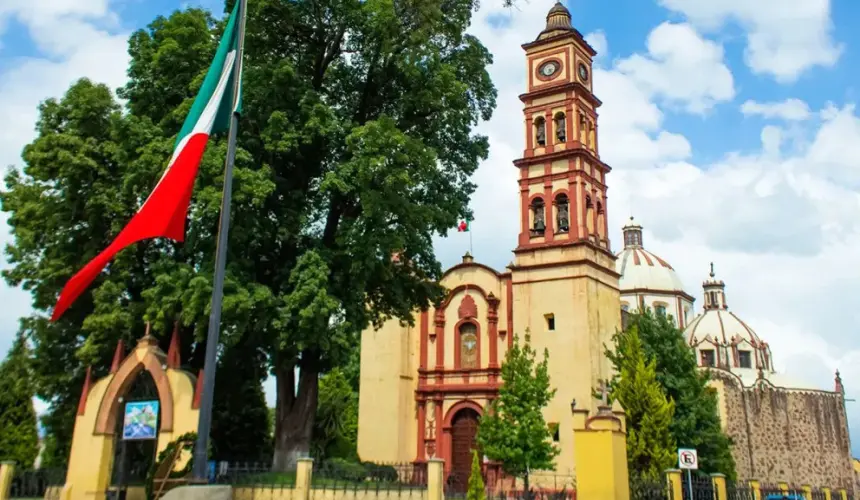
<point>688,460</point>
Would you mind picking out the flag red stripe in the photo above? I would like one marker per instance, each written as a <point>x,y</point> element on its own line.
<point>163,215</point>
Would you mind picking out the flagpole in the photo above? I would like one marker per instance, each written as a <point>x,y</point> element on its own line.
<point>201,447</point>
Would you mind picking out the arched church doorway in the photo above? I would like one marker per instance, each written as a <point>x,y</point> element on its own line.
<point>464,430</point>
<point>136,437</point>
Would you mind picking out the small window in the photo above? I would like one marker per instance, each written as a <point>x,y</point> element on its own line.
<point>553,429</point>
<point>550,321</point>
<point>468,346</point>
<point>660,309</point>
<point>745,359</point>
<point>625,307</point>
<point>708,358</point>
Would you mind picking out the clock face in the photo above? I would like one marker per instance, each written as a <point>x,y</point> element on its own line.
<point>549,69</point>
<point>583,72</point>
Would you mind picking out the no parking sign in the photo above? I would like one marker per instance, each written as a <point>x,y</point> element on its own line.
<point>688,459</point>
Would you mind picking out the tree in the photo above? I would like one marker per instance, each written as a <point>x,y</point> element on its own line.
<point>336,424</point>
<point>240,417</point>
<point>650,445</point>
<point>475,490</point>
<point>356,143</point>
<point>513,431</point>
<point>696,422</point>
<point>19,439</point>
<point>84,175</point>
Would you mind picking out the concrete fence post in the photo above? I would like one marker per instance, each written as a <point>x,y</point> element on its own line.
<point>807,491</point>
<point>756,487</point>
<point>719,481</point>
<point>304,476</point>
<point>827,494</point>
<point>842,494</point>
<point>673,481</point>
<point>7,472</point>
<point>783,487</point>
<point>435,479</point>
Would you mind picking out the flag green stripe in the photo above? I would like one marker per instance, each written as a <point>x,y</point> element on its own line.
<point>229,42</point>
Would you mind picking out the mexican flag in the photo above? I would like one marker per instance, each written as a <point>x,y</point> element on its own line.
<point>163,213</point>
<point>464,226</point>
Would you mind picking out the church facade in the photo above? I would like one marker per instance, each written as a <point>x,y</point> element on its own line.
<point>424,388</point>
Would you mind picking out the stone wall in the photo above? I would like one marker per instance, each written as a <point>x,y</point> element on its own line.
<point>778,434</point>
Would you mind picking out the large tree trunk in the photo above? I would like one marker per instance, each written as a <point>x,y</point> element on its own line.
<point>294,415</point>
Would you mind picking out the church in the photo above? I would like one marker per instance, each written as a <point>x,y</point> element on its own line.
<point>425,387</point>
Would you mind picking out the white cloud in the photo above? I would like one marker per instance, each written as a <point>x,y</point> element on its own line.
<point>73,43</point>
<point>597,40</point>
<point>682,68</point>
<point>784,37</point>
<point>788,110</point>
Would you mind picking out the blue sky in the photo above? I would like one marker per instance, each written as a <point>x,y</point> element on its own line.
<point>730,126</point>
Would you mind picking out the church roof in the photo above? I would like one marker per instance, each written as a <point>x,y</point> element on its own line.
<point>641,269</point>
<point>720,326</point>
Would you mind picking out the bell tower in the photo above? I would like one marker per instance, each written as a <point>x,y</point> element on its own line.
<point>562,180</point>
<point>564,284</point>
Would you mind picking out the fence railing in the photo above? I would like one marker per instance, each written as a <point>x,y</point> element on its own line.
<point>36,483</point>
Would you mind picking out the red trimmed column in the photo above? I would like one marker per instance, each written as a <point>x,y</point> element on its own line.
<point>493,321</point>
<point>425,334</point>
<point>605,217</point>
<point>509,298</point>
<point>549,232</point>
<point>440,340</point>
<point>524,216</point>
<point>421,443</point>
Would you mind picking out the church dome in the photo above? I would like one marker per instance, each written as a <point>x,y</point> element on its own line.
<point>641,269</point>
<point>723,340</point>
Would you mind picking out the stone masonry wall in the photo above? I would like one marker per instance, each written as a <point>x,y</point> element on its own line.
<point>800,437</point>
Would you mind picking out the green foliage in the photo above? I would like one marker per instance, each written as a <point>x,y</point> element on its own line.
<point>356,142</point>
<point>19,439</point>
<point>336,423</point>
<point>475,490</point>
<point>696,422</point>
<point>240,419</point>
<point>650,445</point>
<point>184,442</point>
<point>513,430</point>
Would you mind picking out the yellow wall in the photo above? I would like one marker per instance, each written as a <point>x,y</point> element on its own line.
<point>586,305</point>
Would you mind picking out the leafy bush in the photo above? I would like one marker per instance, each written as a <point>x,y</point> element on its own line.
<point>339,468</point>
<point>186,441</point>
<point>381,473</point>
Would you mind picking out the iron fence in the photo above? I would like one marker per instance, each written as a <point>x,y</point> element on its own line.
<point>697,488</point>
<point>736,491</point>
<point>37,483</point>
<point>649,489</point>
<point>498,486</point>
<point>256,475</point>
<point>344,475</point>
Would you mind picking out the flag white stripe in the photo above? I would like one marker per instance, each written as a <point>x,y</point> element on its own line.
<point>207,117</point>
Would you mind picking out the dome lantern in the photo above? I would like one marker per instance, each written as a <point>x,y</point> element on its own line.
<point>715,292</point>
<point>632,234</point>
